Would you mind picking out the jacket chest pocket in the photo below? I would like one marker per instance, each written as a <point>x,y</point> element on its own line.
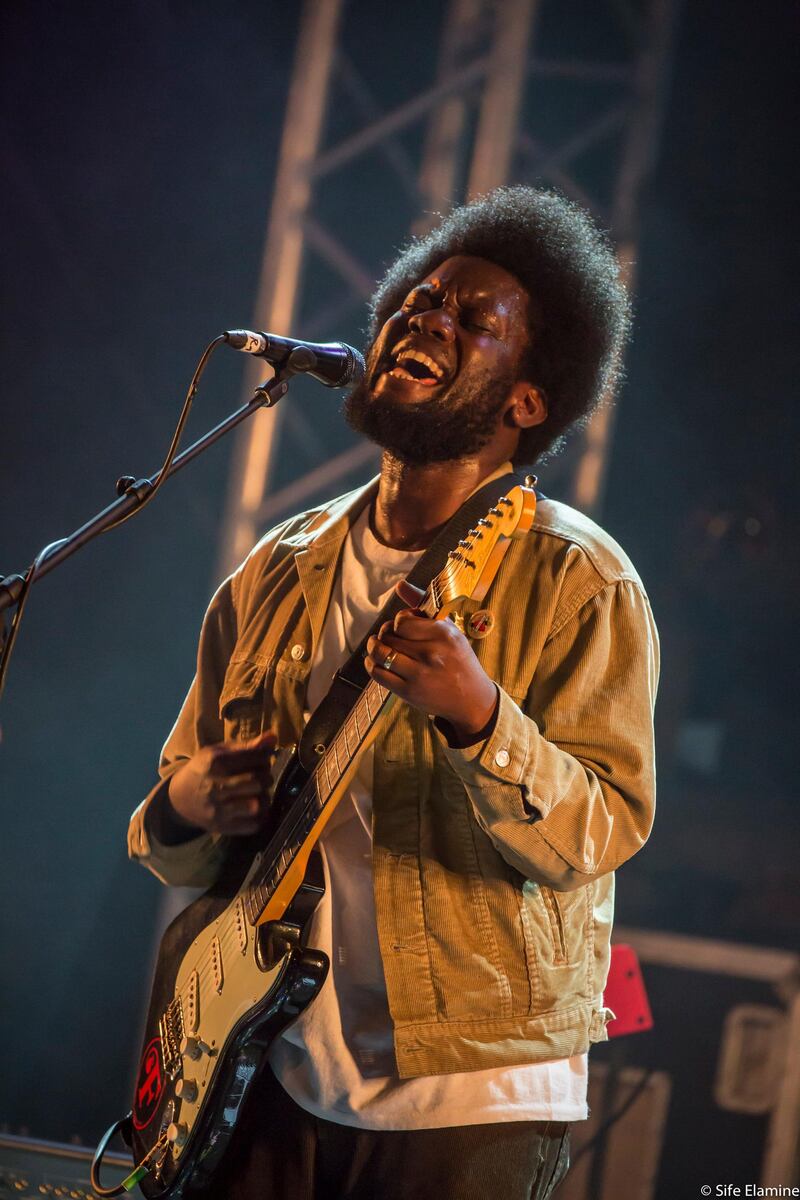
<point>242,702</point>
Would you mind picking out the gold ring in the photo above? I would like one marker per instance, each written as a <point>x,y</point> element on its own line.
<point>387,662</point>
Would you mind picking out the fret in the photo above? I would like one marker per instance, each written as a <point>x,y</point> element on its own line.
<point>321,781</point>
<point>342,755</point>
<point>330,771</point>
<point>347,731</point>
<point>253,904</point>
<point>335,750</point>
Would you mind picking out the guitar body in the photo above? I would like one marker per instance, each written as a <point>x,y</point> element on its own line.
<point>223,990</point>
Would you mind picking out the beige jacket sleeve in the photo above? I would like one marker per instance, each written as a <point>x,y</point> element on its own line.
<point>195,863</point>
<point>566,788</point>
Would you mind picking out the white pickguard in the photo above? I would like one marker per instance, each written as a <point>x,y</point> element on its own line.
<point>218,982</point>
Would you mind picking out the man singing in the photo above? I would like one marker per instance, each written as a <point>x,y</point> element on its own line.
<point>469,870</point>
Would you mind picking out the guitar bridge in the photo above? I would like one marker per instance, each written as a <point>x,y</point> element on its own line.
<point>171,1030</point>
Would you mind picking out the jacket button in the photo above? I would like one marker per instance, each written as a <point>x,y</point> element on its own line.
<point>502,758</point>
<point>298,652</point>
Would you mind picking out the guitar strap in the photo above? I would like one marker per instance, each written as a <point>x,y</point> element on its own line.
<point>351,679</point>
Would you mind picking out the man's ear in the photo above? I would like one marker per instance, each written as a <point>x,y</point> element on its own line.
<point>527,405</point>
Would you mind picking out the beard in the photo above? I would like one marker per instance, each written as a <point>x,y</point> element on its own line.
<point>455,424</point>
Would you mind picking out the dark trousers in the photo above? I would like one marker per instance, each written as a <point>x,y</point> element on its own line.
<point>281,1152</point>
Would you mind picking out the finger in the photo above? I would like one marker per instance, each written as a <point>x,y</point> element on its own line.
<point>261,744</point>
<point>229,787</point>
<point>379,648</point>
<point>408,593</point>
<point>251,817</point>
<point>238,828</point>
<point>399,663</point>
<point>411,625</point>
<point>400,671</point>
<point>240,808</point>
<point>392,683</point>
<point>242,756</point>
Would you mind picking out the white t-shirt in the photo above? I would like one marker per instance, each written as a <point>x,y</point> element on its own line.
<point>337,1059</point>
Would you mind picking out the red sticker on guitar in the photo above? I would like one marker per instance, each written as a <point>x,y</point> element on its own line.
<point>149,1085</point>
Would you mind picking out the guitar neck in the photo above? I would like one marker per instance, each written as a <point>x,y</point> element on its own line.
<point>311,807</point>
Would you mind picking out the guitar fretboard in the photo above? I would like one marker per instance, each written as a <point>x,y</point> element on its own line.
<point>309,803</point>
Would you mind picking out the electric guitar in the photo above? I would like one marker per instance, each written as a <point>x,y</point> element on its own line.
<point>232,969</point>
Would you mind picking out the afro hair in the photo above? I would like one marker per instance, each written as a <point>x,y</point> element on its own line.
<point>580,311</point>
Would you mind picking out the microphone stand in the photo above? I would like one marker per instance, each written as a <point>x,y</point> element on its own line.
<point>133,493</point>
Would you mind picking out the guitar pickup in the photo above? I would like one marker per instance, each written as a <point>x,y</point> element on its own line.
<point>191,1004</point>
<point>216,964</point>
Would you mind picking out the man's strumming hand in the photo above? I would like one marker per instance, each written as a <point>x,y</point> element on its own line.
<point>224,788</point>
<point>433,668</point>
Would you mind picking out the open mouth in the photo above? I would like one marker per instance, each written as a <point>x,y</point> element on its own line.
<point>416,367</point>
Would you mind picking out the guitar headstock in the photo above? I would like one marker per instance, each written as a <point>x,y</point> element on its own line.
<point>472,566</point>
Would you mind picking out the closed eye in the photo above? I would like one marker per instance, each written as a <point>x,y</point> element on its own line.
<point>418,301</point>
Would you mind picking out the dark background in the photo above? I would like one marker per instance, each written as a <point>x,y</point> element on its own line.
<point>139,144</point>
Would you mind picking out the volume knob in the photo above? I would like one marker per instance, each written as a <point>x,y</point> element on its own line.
<point>177,1134</point>
<point>186,1089</point>
<point>192,1047</point>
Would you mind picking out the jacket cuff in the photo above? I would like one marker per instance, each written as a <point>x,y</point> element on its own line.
<point>475,742</point>
<point>507,755</point>
<point>193,863</point>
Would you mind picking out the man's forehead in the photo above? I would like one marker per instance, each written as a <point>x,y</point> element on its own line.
<point>479,275</point>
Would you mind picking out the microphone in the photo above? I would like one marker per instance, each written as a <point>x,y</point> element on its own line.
<point>333,363</point>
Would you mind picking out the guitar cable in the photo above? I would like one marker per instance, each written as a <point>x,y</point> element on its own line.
<point>123,1126</point>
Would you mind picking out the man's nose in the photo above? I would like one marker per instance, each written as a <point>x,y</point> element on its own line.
<point>436,322</point>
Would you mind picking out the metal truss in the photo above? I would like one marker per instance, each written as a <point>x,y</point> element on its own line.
<point>584,118</point>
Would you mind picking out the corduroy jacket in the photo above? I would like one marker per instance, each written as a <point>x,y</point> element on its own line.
<point>493,866</point>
